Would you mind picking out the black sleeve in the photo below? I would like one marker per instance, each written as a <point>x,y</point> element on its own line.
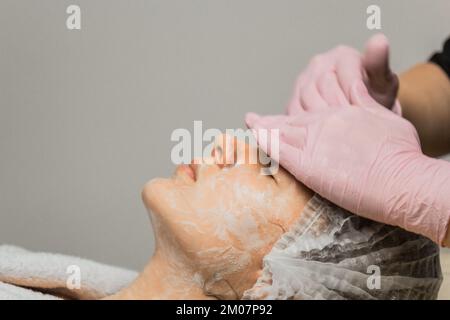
<point>442,59</point>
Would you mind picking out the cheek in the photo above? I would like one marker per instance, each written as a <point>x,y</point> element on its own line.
<point>241,205</point>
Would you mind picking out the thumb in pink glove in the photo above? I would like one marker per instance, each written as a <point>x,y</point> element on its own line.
<point>365,159</point>
<point>329,77</point>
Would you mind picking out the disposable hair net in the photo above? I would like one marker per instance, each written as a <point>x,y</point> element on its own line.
<point>330,253</point>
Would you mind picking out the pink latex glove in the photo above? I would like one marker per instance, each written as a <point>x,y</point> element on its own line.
<point>365,159</point>
<point>329,76</point>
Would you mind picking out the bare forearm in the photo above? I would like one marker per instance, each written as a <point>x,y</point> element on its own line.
<point>425,98</point>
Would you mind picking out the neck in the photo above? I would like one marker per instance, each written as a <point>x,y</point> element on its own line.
<point>163,280</point>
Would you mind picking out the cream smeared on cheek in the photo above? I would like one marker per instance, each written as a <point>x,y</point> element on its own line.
<point>218,229</point>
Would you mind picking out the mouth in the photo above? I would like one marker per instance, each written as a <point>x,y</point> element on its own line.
<point>187,170</point>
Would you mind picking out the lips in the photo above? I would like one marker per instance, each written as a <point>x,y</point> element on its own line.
<point>193,168</point>
<point>188,170</point>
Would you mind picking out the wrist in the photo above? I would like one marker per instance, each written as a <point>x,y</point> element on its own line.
<point>419,200</point>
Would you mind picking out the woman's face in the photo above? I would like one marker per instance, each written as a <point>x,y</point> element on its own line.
<point>221,220</point>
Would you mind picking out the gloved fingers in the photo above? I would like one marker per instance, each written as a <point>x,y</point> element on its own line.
<point>359,96</point>
<point>348,68</point>
<point>376,60</point>
<point>289,158</point>
<point>251,118</point>
<point>294,136</point>
<point>283,152</point>
<point>303,83</point>
<point>311,100</point>
<point>317,66</point>
<point>292,130</point>
<point>272,121</point>
<point>397,108</point>
<point>260,128</point>
<point>330,90</point>
<point>261,141</point>
<point>294,107</point>
<point>304,119</point>
<point>268,139</point>
<point>383,83</point>
<point>320,64</point>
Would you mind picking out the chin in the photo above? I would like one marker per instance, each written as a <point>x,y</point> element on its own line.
<point>154,192</point>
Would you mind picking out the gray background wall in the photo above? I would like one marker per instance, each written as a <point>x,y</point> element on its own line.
<point>86,116</point>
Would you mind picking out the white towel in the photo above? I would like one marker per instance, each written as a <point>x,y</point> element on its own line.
<point>37,275</point>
